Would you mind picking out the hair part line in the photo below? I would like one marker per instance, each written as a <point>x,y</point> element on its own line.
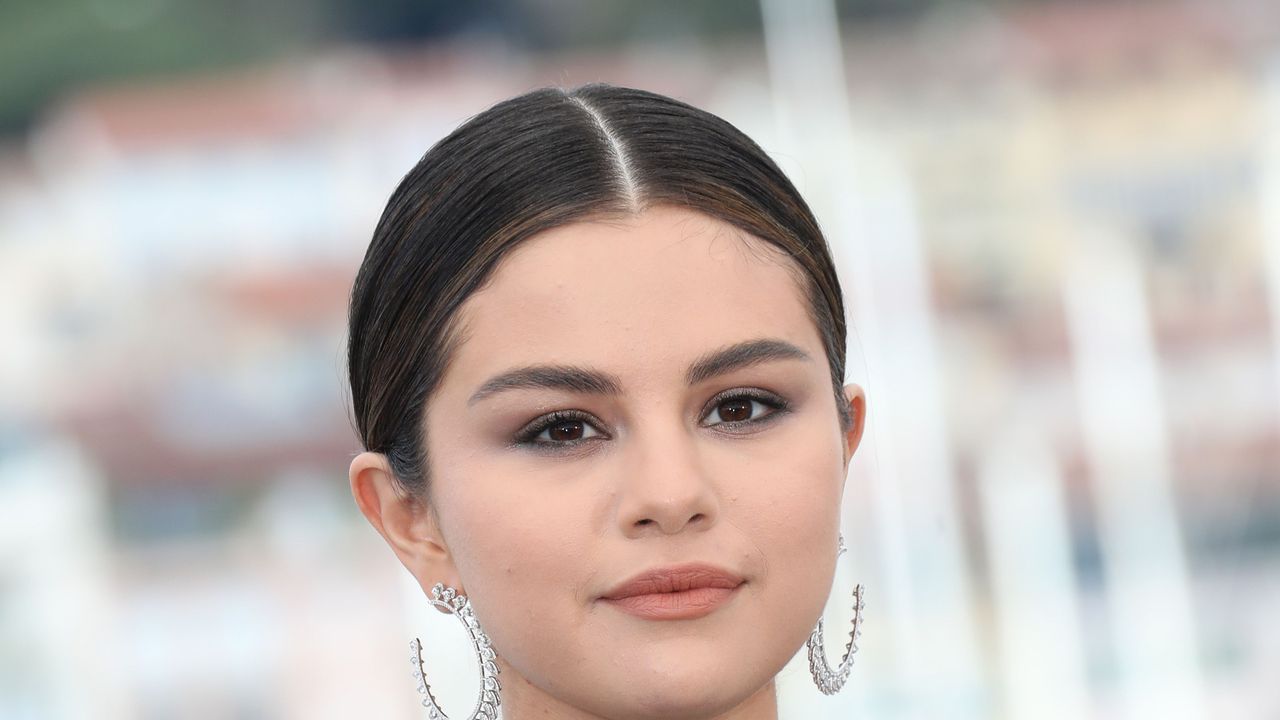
<point>618,151</point>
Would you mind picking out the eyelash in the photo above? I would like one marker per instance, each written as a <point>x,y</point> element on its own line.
<point>527,436</point>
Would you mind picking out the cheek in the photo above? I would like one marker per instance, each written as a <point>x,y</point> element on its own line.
<point>791,486</point>
<point>506,527</point>
<point>790,510</point>
<point>519,547</point>
<point>517,533</point>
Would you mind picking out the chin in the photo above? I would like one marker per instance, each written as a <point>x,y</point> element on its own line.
<point>688,687</point>
<point>681,702</point>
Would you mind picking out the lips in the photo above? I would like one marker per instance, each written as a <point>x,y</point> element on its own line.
<point>681,592</point>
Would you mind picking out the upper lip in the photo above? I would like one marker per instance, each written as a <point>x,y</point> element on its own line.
<point>675,578</point>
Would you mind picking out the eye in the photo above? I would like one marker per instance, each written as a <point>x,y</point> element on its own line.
<point>736,408</point>
<point>559,429</point>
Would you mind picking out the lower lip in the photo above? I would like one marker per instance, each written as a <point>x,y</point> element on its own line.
<point>685,605</point>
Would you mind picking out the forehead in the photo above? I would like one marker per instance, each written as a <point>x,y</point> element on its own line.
<point>635,296</point>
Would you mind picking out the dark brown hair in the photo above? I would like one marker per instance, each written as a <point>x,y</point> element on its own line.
<point>528,164</point>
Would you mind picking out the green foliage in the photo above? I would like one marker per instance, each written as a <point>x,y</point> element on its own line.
<point>49,48</point>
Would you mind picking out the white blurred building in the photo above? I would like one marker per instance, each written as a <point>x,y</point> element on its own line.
<point>175,260</point>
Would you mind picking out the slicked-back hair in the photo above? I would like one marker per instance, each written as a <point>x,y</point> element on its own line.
<point>534,162</point>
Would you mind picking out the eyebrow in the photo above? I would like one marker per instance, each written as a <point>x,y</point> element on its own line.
<point>583,380</point>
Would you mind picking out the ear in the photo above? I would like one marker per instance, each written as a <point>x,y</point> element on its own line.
<point>857,400</point>
<point>406,522</point>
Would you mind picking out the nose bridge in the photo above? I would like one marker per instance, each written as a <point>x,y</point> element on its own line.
<point>666,486</point>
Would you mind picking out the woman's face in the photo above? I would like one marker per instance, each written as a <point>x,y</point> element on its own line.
<point>648,395</point>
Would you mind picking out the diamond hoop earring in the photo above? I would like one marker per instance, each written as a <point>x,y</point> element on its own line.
<point>448,599</point>
<point>830,681</point>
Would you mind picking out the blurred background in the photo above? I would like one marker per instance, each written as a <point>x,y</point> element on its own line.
<point>1058,228</point>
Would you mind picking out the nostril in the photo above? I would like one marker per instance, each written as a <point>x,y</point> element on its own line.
<point>645,521</point>
<point>697,517</point>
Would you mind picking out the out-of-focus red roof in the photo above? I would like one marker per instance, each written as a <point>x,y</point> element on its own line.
<point>195,110</point>
<point>132,449</point>
<point>1087,34</point>
<point>308,295</point>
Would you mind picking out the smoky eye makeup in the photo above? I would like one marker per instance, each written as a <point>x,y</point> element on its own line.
<point>735,410</point>
<point>561,429</point>
<point>742,410</point>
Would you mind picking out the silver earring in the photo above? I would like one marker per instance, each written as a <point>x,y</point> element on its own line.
<point>448,599</point>
<point>830,681</point>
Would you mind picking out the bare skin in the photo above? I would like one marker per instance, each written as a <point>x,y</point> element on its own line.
<point>658,458</point>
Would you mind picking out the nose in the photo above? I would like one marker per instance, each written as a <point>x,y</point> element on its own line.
<point>666,488</point>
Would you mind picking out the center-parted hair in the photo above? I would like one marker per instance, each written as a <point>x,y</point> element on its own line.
<point>538,161</point>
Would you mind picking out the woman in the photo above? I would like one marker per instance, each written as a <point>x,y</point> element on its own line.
<point>596,359</point>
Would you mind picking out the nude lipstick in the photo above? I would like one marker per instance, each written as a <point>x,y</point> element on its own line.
<point>682,592</point>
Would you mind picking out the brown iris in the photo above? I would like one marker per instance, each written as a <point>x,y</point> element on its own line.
<point>565,430</point>
<point>734,410</point>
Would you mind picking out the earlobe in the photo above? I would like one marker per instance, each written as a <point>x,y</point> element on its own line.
<point>404,521</point>
<point>857,406</point>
